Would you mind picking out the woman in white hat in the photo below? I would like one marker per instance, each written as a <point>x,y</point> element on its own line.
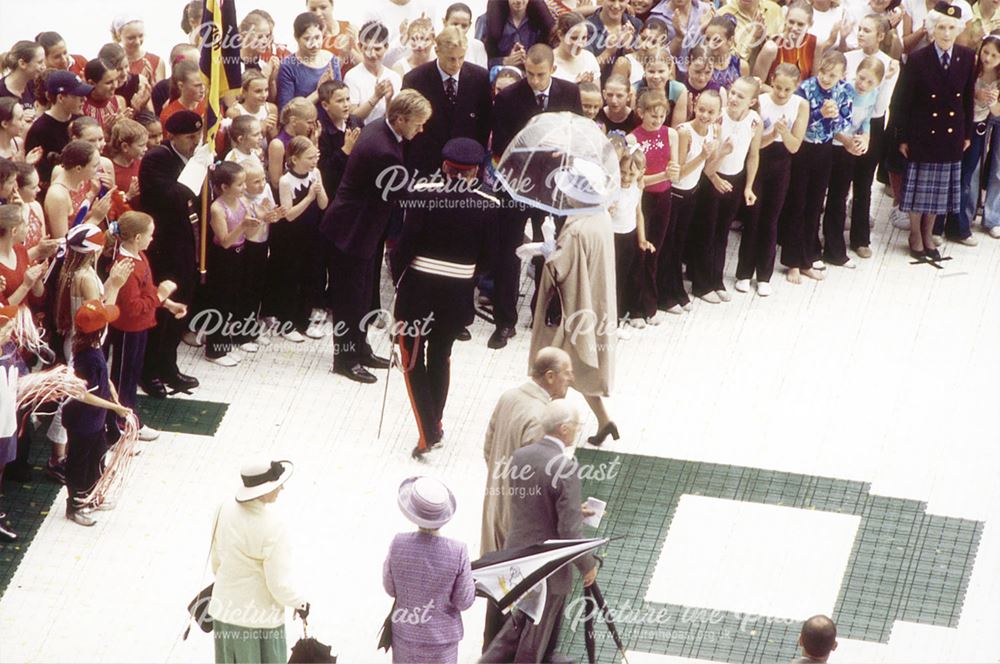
<point>429,576</point>
<point>251,560</point>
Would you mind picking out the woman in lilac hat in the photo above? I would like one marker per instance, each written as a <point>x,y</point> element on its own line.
<point>429,576</point>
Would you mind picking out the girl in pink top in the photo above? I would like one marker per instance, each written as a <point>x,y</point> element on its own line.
<point>654,138</point>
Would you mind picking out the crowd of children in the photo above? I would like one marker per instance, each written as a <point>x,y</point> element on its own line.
<point>703,145</point>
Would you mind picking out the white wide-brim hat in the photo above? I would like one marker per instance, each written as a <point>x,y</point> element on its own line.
<point>426,502</point>
<point>261,478</point>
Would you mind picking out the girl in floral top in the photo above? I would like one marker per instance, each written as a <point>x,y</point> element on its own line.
<point>830,112</point>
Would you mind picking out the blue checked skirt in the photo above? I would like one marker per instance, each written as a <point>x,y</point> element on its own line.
<point>932,188</point>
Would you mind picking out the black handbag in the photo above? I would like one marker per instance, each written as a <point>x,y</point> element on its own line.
<point>385,634</point>
<point>198,607</point>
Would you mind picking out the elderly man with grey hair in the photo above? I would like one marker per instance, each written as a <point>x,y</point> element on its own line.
<point>516,422</point>
<point>545,504</point>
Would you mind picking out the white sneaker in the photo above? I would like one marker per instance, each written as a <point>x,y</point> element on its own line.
<point>262,341</point>
<point>318,315</point>
<point>624,333</point>
<point>819,265</point>
<point>637,323</point>
<point>676,310</point>
<point>850,264</point>
<point>315,330</point>
<point>764,288</point>
<point>294,336</point>
<point>227,360</point>
<point>971,241</point>
<point>724,295</point>
<point>743,285</point>
<point>250,347</point>
<point>899,219</point>
<point>148,433</point>
<point>938,240</point>
<point>711,297</point>
<point>655,319</point>
<point>195,339</point>
<point>689,306</point>
<point>995,232</point>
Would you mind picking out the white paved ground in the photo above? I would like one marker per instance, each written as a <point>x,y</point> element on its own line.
<point>887,374</point>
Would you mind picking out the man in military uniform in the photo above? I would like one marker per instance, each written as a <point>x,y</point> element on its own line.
<point>172,253</point>
<point>434,264</point>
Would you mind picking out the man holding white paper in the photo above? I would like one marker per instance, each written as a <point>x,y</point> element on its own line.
<point>545,504</point>
<point>170,180</point>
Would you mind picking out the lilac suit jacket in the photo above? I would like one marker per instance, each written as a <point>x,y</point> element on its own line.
<point>431,579</point>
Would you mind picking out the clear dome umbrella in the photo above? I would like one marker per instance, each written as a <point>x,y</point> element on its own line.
<point>561,163</point>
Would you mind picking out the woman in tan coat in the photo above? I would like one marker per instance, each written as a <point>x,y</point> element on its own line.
<point>578,281</point>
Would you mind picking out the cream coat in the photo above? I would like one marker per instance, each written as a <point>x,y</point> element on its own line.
<point>252,563</point>
<point>516,422</point>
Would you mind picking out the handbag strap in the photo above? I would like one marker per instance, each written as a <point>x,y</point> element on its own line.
<point>208,556</point>
<point>211,545</point>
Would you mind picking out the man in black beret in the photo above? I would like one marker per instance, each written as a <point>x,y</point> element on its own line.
<point>174,209</point>
<point>444,239</point>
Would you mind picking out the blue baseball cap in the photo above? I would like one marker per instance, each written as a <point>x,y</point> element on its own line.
<point>67,83</point>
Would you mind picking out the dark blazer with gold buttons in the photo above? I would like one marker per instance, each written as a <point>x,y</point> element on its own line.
<point>933,106</point>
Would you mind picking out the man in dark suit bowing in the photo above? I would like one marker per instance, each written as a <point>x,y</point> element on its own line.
<point>536,93</point>
<point>460,96</point>
<point>174,208</point>
<point>355,224</point>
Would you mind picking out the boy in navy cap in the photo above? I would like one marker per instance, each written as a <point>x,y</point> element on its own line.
<point>434,263</point>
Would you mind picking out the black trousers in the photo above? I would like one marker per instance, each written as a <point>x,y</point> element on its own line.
<point>314,255</point>
<point>160,361</point>
<point>227,281</point>
<point>126,351</point>
<point>810,176</point>
<point>351,278</point>
<point>84,452</point>
<point>520,640</point>
<point>289,271</point>
<point>495,620</point>
<point>656,214</point>
<point>427,371</point>
<point>625,272</point>
<point>758,243</point>
<point>255,257</point>
<point>835,216</point>
<point>715,212</point>
<point>506,264</point>
<point>671,274</point>
<point>862,180</point>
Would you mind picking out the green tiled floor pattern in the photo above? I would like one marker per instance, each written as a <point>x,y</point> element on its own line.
<point>905,564</point>
<point>27,504</point>
<point>199,418</point>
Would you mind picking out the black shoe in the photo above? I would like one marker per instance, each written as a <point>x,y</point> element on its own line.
<point>608,429</point>
<point>182,382</point>
<point>155,388</point>
<point>6,534</point>
<point>357,373</point>
<point>373,361</point>
<point>500,336</point>
<point>933,254</point>
<point>464,335</point>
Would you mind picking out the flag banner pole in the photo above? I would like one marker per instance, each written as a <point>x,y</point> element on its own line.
<point>219,62</point>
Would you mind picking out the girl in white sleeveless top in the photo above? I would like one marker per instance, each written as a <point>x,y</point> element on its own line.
<point>696,147</point>
<point>785,116</point>
<point>730,181</point>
